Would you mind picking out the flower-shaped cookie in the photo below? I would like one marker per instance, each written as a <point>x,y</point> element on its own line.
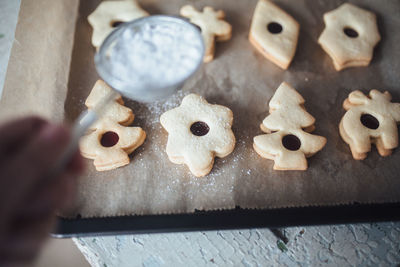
<point>369,120</point>
<point>109,141</point>
<point>212,25</point>
<point>198,131</point>
<point>287,141</point>
<point>350,36</point>
<point>274,33</point>
<point>109,14</point>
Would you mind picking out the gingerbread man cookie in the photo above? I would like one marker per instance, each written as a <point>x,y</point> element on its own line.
<point>109,141</point>
<point>109,15</point>
<point>286,141</point>
<point>350,36</point>
<point>369,120</point>
<point>197,132</point>
<point>212,26</point>
<point>274,33</point>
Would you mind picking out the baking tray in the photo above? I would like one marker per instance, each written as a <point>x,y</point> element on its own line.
<point>227,219</point>
<point>231,218</point>
<point>314,206</point>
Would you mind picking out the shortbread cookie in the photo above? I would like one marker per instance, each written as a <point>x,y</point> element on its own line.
<point>198,131</point>
<point>369,120</point>
<point>109,15</point>
<point>212,26</point>
<point>274,33</point>
<point>350,36</point>
<point>109,141</point>
<point>288,143</point>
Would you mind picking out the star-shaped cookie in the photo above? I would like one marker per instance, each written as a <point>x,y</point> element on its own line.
<point>197,132</point>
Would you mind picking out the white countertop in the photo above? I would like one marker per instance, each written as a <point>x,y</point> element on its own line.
<point>8,20</point>
<point>340,245</point>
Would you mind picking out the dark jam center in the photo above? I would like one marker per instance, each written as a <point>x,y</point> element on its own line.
<point>350,32</point>
<point>109,139</point>
<point>116,23</point>
<point>274,28</point>
<point>369,121</point>
<point>291,142</point>
<point>199,128</point>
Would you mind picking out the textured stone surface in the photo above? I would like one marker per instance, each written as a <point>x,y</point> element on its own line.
<point>339,245</point>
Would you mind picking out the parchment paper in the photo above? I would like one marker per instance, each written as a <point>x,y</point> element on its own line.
<point>239,78</point>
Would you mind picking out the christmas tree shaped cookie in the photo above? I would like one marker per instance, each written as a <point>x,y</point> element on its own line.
<point>109,141</point>
<point>212,26</point>
<point>274,33</point>
<point>288,141</point>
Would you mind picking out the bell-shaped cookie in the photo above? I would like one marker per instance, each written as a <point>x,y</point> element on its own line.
<point>350,36</point>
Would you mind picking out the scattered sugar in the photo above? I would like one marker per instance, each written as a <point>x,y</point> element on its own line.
<point>153,170</point>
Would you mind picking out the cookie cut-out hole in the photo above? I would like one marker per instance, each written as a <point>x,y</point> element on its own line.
<point>109,139</point>
<point>350,32</point>
<point>291,142</point>
<point>116,23</point>
<point>369,121</point>
<point>274,28</point>
<point>199,128</point>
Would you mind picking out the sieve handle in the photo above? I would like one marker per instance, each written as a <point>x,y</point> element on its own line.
<point>79,128</point>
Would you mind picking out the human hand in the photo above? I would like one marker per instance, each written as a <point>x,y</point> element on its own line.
<point>29,148</point>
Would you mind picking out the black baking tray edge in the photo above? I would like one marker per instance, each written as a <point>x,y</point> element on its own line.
<point>227,219</point>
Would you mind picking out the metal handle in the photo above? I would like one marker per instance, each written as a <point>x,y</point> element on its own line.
<point>79,128</point>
